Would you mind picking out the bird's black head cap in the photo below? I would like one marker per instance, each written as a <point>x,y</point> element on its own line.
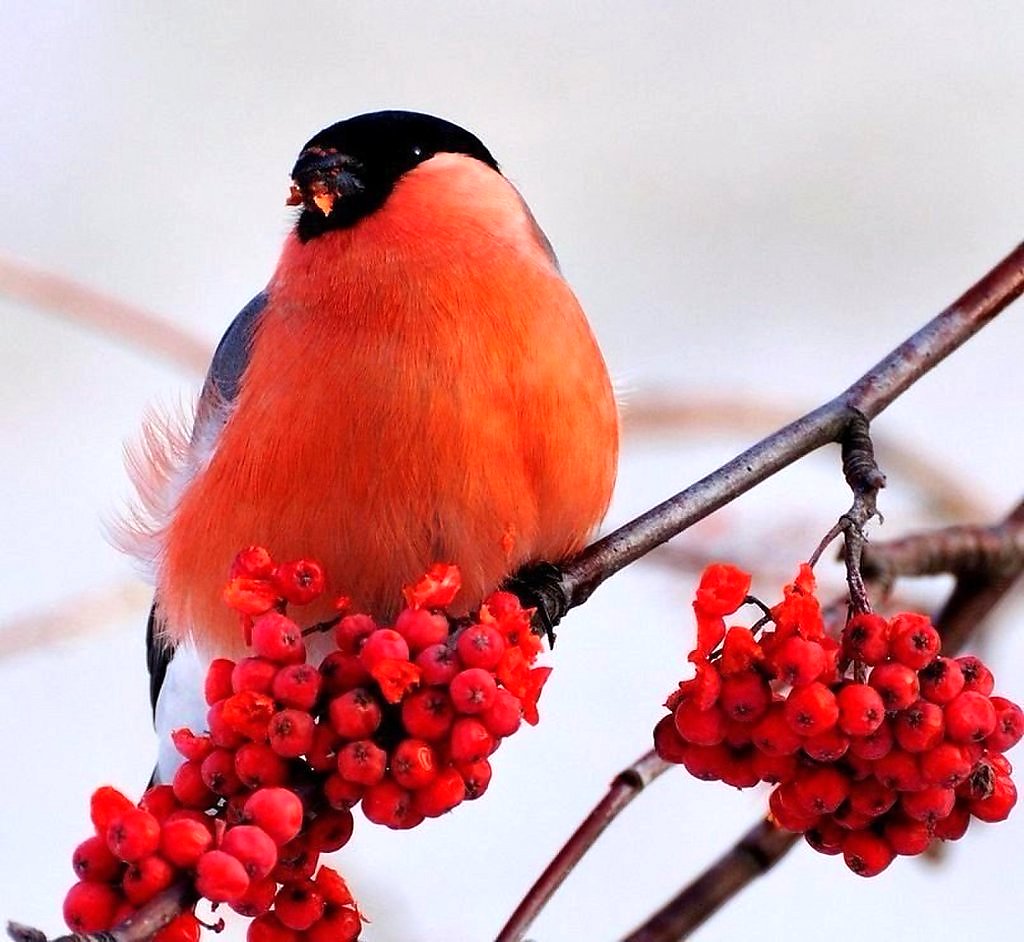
<point>348,170</point>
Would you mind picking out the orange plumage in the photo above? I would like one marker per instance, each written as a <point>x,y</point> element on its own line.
<point>421,386</point>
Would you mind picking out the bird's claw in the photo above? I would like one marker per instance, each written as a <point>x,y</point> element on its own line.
<point>539,586</point>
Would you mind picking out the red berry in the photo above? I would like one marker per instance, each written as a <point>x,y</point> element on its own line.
<point>477,776</point>
<point>106,804</point>
<point>218,773</point>
<point>941,680</point>
<point>826,837</point>
<point>189,787</point>
<point>352,632</point>
<point>820,790</point>
<point>504,716</point>
<point>383,644</point>
<point>253,847</point>
<point>300,581</point>
<point>296,861</point>
<point>362,762</point>
<point>299,905</point>
<point>291,733</point>
<point>297,686</point>
<point>773,769</point>
<point>133,834</point>
<point>253,673</point>
<point>340,793</point>
<point>268,928</point>
<point>870,797</point>
<point>798,661</point>
<point>703,727</point>
<point>896,683</point>
<point>257,899</point>
<point>874,745</point>
<point>473,690</point>
<point>907,836</point>
<point>707,763</point>
<point>945,765</point>
<point>919,727</point>
<point>912,640</point>
<point>340,672</point>
<point>90,907</point>
<point>414,763</point>
<point>829,746</point>
<point>388,804</point>
<point>480,646</point>
<point>323,754</point>
<point>190,745</point>
<point>337,925</point>
<point>333,888</point>
<point>278,638</point>
<point>93,861</point>
<point>1009,725</point>
<point>259,766</point>
<point>773,735</point>
<point>278,811</point>
<point>159,801</point>
<point>220,877</point>
<point>745,696</point>
<point>427,714</point>
<point>954,826</point>
<point>184,841</point>
<point>438,663</point>
<point>254,562</point>
<point>788,812</point>
<point>447,790</point>
<point>221,732</point>
<point>811,710</point>
<point>866,639</point>
<point>182,928</point>
<point>331,830</point>
<point>899,770</point>
<point>145,878</point>
<point>970,717</point>
<point>861,710</point>
<point>977,677</point>
<point>929,804</point>
<point>867,854</point>
<point>998,805</point>
<point>470,740</point>
<point>356,714</point>
<point>218,680</point>
<point>421,628</point>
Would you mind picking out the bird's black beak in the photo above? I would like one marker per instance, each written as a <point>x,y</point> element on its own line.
<point>321,177</point>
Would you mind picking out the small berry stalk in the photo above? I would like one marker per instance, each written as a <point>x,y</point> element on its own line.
<point>876,743</point>
<point>400,720</point>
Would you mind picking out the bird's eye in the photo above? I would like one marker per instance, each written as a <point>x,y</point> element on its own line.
<point>417,152</point>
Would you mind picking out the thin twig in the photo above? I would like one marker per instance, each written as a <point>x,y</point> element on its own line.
<point>868,396</point>
<point>624,788</point>
<point>124,322</point>
<point>758,851</point>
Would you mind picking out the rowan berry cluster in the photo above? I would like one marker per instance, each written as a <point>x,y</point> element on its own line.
<point>400,720</point>
<point>876,742</point>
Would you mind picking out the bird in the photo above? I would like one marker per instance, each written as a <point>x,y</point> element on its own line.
<point>417,383</point>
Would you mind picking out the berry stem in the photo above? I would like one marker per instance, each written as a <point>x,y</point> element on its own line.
<point>623,789</point>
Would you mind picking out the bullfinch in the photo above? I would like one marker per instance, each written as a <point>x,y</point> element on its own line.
<point>416,384</point>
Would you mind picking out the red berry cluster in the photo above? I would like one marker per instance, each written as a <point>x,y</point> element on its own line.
<point>248,860</point>
<point>399,719</point>
<point>877,743</point>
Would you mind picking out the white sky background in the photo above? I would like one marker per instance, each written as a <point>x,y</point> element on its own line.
<point>750,198</point>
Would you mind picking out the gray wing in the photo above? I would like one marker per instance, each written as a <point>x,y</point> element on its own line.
<point>220,387</point>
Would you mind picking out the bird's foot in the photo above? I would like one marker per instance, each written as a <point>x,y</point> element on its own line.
<point>539,586</point>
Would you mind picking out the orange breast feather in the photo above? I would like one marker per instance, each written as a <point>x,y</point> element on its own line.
<point>422,388</point>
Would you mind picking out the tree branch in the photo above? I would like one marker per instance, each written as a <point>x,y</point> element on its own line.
<point>869,396</point>
<point>624,788</point>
